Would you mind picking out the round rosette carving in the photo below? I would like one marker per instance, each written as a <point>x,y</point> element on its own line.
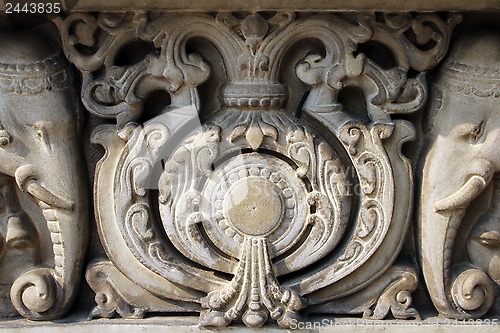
<point>253,195</point>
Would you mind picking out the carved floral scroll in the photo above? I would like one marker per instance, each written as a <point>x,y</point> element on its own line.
<point>253,216</point>
<point>248,206</point>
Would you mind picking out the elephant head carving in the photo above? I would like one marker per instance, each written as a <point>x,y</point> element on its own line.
<point>460,158</point>
<point>39,147</point>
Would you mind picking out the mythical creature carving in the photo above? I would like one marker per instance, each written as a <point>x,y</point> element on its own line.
<point>463,133</point>
<point>39,146</point>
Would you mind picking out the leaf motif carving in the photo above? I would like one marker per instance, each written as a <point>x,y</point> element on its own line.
<point>367,222</point>
<point>368,178</point>
<point>238,132</point>
<point>351,252</point>
<point>370,215</point>
<point>268,130</point>
<point>255,137</point>
<point>138,214</point>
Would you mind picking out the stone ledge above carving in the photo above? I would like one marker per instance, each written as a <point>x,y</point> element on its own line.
<point>271,5</point>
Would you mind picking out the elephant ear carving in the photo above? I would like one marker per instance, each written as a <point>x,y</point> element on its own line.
<point>35,88</point>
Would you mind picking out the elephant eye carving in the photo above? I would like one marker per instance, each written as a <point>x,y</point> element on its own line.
<point>41,133</point>
<point>472,133</point>
<point>477,132</point>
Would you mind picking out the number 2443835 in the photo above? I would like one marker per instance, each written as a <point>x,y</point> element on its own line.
<point>32,8</point>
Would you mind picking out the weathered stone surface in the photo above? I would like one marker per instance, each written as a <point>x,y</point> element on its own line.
<point>258,168</point>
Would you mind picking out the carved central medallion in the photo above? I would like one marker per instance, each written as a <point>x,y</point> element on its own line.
<point>253,206</point>
<point>253,194</point>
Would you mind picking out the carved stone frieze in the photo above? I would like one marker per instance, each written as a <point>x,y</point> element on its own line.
<point>221,216</point>
<point>250,167</point>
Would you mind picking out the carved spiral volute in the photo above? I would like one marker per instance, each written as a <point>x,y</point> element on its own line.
<point>35,293</point>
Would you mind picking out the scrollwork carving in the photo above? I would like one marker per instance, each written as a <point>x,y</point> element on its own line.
<point>116,295</point>
<point>121,91</point>
<point>390,293</point>
<point>256,214</point>
<point>34,293</point>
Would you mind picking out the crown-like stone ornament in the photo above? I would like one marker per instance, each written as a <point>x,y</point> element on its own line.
<point>478,81</point>
<point>32,78</point>
<point>255,214</point>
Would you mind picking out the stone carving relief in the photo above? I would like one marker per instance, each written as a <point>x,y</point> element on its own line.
<point>253,216</point>
<point>233,200</point>
<point>483,241</point>
<point>38,154</point>
<point>464,131</point>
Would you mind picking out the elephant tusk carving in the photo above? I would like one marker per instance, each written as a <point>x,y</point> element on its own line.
<point>26,180</point>
<point>41,193</point>
<point>463,197</point>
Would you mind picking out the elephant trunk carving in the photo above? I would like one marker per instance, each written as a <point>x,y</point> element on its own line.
<point>466,140</point>
<point>44,293</point>
<point>40,120</point>
<point>462,292</point>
